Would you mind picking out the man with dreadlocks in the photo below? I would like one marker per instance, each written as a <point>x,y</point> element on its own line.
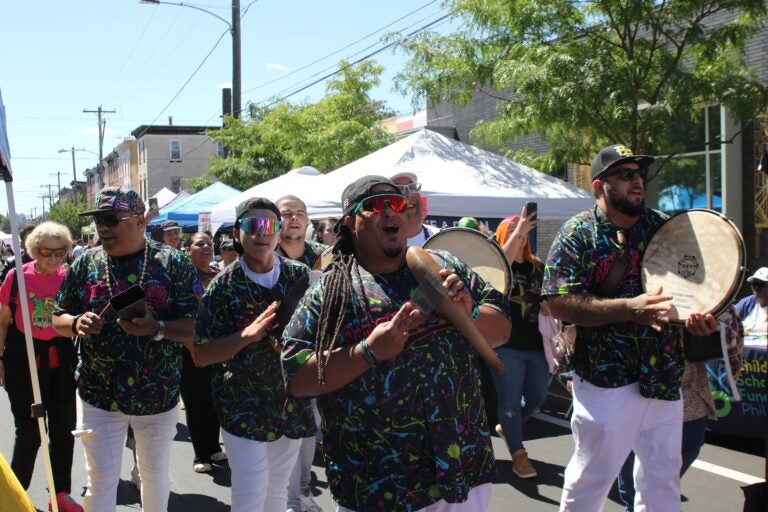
<point>261,427</point>
<point>404,426</point>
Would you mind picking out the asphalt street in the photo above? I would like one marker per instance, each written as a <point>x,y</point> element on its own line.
<point>713,484</point>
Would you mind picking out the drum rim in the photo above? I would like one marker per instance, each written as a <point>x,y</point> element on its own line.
<point>490,240</point>
<point>741,273</point>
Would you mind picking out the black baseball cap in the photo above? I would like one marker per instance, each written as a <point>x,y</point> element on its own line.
<point>227,244</point>
<point>614,155</point>
<point>255,203</point>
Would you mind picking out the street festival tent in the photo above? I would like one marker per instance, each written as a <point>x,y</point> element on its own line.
<point>12,496</point>
<point>298,182</point>
<point>164,196</point>
<point>458,180</point>
<point>186,211</point>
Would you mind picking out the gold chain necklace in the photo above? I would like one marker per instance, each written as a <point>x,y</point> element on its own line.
<point>141,275</point>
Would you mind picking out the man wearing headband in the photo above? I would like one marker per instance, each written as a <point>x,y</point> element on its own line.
<point>392,382</point>
<point>628,362</point>
<point>130,370</point>
<point>415,229</point>
<point>261,427</point>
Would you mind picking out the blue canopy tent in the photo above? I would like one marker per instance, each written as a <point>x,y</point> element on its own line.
<point>677,198</point>
<point>186,211</point>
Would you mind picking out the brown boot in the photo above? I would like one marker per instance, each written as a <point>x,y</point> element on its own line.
<point>521,466</point>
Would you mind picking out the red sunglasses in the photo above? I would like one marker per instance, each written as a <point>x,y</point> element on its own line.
<point>377,203</point>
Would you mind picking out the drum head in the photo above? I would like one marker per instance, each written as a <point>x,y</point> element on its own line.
<point>483,256</point>
<point>698,257</point>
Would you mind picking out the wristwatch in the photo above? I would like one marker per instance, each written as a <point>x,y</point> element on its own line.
<point>160,331</point>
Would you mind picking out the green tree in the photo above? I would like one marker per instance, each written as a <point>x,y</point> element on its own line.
<point>196,184</point>
<point>68,213</point>
<point>589,73</point>
<point>338,129</point>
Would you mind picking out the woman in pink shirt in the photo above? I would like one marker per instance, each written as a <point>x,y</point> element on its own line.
<point>48,244</point>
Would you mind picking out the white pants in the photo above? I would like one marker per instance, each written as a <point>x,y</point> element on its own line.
<point>477,501</point>
<point>103,436</point>
<point>607,424</point>
<point>260,472</point>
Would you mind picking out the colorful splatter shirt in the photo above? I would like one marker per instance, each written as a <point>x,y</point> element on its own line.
<point>619,353</point>
<point>119,371</point>
<point>248,389</point>
<point>411,430</point>
<point>312,252</point>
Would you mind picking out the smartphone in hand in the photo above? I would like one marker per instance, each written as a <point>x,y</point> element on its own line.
<point>532,208</point>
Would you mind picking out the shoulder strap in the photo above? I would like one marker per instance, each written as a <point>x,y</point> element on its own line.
<point>620,265</point>
<point>14,293</point>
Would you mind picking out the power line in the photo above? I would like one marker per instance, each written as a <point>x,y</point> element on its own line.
<point>350,64</point>
<point>340,49</point>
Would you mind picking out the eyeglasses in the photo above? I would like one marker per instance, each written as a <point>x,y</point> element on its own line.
<point>409,188</point>
<point>47,253</point>
<point>627,174</point>
<point>262,226</point>
<point>110,221</point>
<point>376,204</point>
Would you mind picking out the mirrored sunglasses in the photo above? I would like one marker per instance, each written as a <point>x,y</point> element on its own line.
<point>46,253</point>
<point>409,188</point>
<point>376,204</point>
<point>110,221</point>
<point>262,226</point>
<point>627,174</point>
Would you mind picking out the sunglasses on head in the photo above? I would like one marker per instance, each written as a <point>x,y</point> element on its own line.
<point>262,226</point>
<point>409,188</point>
<point>377,203</point>
<point>110,221</point>
<point>45,252</point>
<point>627,174</point>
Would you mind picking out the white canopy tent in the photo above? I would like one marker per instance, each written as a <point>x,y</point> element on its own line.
<point>458,180</point>
<point>37,407</point>
<point>166,195</point>
<point>299,182</point>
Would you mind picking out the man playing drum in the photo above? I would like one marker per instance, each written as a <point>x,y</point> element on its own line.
<point>403,422</point>
<point>628,363</point>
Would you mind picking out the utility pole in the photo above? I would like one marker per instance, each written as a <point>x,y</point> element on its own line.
<point>102,125</point>
<point>58,178</point>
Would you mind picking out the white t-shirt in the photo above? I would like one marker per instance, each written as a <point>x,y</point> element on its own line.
<point>427,230</point>
<point>756,322</point>
<point>267,279</point>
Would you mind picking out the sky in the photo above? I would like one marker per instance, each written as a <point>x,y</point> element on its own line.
<point>148,62</point>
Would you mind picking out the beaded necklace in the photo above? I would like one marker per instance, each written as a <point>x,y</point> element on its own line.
<point>141,275</point>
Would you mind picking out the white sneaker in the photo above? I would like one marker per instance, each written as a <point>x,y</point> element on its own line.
<point>218,457</point>
<point>308,504</point>
<point>202,467</point>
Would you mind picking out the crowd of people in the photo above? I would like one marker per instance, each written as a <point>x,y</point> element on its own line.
<point>284,347</point>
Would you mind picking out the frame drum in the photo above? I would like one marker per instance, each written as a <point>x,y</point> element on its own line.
<point>699,258</point>
<point>481,254</point>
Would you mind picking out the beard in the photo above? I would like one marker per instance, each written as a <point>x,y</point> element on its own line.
<point>392,252</point>
<point>622,204</point>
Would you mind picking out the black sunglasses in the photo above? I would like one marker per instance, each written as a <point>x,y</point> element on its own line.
<point>627,174</point>
<point>758,285</point>
<point>110,221</point>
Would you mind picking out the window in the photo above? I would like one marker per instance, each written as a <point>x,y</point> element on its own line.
<point>693,177</point>
<point>175,151</point>
<point>142,152</point>
<point>221,151</point>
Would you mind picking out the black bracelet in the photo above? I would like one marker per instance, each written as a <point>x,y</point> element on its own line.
<point>368,354</point>
<point>74,324</point>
